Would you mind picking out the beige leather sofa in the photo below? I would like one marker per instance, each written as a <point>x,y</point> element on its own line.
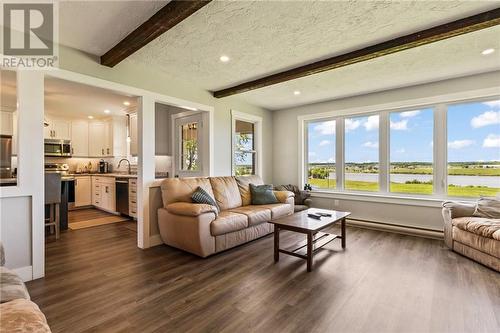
<point>475,237</point>
<point>198,229</point>
<point>17,312</point>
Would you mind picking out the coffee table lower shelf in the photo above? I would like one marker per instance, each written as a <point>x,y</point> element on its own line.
<point>320,239</point>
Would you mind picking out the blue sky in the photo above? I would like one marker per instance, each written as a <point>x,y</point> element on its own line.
<point>473,135</point>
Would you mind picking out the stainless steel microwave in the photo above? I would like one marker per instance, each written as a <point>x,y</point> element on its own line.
<point>57,148</point>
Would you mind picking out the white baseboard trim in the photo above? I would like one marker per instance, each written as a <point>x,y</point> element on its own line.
<point>155,240</point>
<point>412,231</point>
<point>25,273</point>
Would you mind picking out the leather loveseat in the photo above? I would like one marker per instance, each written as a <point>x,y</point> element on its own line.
<point>199,229</point>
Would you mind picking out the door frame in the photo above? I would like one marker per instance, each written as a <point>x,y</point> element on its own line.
<point>207,147</point>
<point>31,183</point>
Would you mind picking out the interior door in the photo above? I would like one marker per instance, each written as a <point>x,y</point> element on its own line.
<point>189,134</point>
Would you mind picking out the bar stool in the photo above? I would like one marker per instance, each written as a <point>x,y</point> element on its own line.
<point>53,199</point>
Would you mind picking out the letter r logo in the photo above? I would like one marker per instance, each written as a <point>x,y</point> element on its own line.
<point>28,29</point>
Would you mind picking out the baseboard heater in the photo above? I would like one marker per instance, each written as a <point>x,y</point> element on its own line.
<point>397,228</point>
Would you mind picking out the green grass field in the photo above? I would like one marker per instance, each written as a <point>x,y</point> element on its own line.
<point>455,191</point>
<point>451,171</point>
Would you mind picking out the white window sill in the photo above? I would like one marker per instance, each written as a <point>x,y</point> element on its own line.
<point>397,199</point>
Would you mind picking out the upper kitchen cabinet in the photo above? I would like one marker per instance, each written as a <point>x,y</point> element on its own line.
<point>58,129</point>
<point>80,138</point>
<point>99,139</point>
<point>133,135</point>
<point>119,136</point>
<point>6,123</point>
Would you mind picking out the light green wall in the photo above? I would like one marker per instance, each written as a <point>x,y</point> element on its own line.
<point>140,76</point>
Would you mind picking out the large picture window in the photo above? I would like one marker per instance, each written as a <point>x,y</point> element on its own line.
<point>321,154</point>
<point>362,153</point>
<point>411,151</point>
<point>474,149</point>
<point>448,149</point>
<point>246,144</point>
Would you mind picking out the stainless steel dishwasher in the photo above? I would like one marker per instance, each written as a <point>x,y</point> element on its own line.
<point>122,195</point>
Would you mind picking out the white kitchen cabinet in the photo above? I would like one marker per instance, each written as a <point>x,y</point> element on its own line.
<point>83,191</point>
<point>100,139</point>
<point>133,135</point>
<point>6,123</point>
<point>103,193</point>
<point>132,197</point>
<point>119,137</point>
<point>80,138</point>
<point>58,129</point>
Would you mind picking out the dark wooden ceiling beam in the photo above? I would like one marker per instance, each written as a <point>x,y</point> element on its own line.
<point>170,15</point>
<point>431,35</point>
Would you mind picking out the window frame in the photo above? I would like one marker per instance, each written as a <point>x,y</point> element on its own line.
<point>438,104</point>
<point>257,122</point>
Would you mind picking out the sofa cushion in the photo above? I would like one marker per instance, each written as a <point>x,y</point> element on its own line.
<point>190,209</point>
<point>22,315</point>
<point>262,194</point>
<point>11,286</point>
<point>483,244</point>
<point>244,187</point>
<point>488,207</point>
<point>279,210</point>
<point>481,226</point>
<point>255,214</point>
<point>226,192</point>
<point>181,189</point>
<point>201,196</point>
<point>228,222</point>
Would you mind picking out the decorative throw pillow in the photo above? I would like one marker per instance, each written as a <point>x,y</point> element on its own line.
<point>202,196</point>
<point>262,194</point>
<point>488,208</point>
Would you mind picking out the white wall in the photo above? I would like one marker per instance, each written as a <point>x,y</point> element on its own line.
<point>286,156</point>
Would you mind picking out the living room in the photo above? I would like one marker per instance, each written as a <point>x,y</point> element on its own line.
<point>377,120</point>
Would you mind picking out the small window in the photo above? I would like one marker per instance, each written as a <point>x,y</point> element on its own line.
<point>321,169</point>
<point>362,153</point>
<point>411,153</point>
<point>244,148</point>
<point>189,147</point>
<point>474,149</point>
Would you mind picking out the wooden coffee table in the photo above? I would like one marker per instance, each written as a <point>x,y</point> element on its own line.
<point>301,223</point>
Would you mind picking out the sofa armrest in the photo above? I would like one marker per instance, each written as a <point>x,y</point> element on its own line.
<point>308,202</point>
<point>190,209</point>
<point>453,210</point>
<point>284,196</point>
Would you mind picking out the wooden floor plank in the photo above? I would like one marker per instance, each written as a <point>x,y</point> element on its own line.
<point>97,280</point>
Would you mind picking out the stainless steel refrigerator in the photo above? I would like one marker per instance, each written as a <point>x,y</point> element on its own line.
<point>5,156</point>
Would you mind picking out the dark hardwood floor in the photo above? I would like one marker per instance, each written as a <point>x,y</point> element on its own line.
<point>98,281</point>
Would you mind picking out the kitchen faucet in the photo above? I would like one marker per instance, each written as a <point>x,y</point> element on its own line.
<point>124,159</point>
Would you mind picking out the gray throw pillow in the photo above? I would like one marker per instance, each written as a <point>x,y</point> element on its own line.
<point>488,208</point>
<point>202,196</point>
<point>262,194</point>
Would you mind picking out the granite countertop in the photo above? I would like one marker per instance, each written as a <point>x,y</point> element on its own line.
<point>120,175</point>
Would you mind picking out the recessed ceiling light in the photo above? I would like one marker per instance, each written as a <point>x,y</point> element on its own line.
<point>107,111</point>
<point>487,51</point>
<point>126,103</point>
<point>224,58</point>
<point>90,117</point>
<point>296,92</point>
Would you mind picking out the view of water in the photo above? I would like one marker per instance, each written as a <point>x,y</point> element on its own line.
<point>489,181</point>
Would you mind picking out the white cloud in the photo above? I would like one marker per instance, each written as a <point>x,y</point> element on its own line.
<point>399,125</point>
<point>409,114</point>
<point>371,123</point>
<point>370,144</point>
<point>485,119</point>
<point>324,143</point>
<point>312,153</point>
<point>331,160</point>
<point>459,144</point>
<point>492,141</point>
<point>326,128</point>
<point>351,125</point>
<point>431,143</point>
<point>401,151</point>
<point>493,104</point>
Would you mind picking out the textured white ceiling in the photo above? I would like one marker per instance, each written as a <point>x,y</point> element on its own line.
<point>264,37</point>
<point>97,26</point>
